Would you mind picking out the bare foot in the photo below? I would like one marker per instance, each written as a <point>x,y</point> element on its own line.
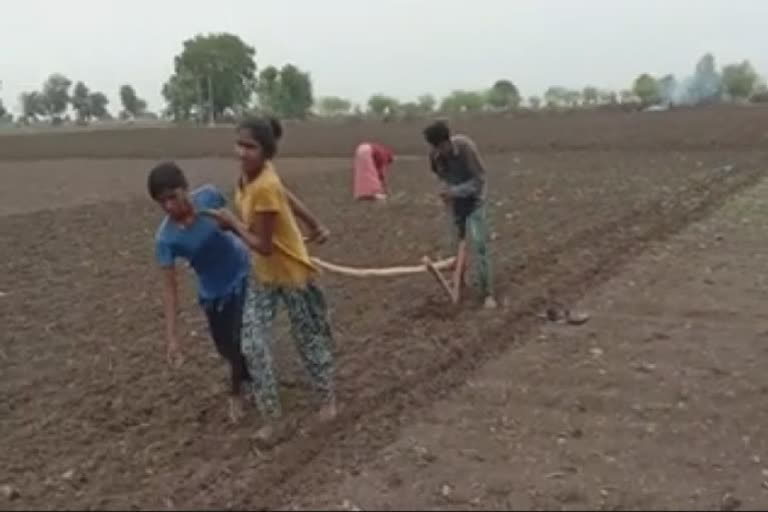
<point>490,303</point>
<point>236,409</point>
<point>265,434</point>
<point>328,412</point>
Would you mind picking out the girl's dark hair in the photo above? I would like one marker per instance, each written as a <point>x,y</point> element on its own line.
<point>163,177</point>
<point>266,132</point>
<point>437,133</point>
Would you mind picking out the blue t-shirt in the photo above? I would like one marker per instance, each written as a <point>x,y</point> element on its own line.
<point>219,258</point>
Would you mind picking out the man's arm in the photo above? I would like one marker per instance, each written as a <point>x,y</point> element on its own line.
<point>433,162</point>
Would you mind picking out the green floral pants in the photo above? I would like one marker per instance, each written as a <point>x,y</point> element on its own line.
<point>311,331</point>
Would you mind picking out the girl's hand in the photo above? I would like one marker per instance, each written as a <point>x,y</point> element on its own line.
<point>224,217</point>
<point>319,235</point>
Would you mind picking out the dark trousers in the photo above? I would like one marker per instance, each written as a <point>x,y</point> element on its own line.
<point>225,321</point>
<point>463,207</point>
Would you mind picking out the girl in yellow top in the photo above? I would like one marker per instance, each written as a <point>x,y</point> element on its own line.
<point>281,265</point>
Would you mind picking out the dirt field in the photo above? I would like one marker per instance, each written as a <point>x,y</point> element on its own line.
<point>92,417</point>
<point>655,403</point>
<point>699,129</point>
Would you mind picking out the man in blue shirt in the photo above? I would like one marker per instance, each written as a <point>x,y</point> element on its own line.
<point>221,262</point>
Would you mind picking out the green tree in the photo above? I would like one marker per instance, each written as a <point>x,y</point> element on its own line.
<point>215,70</point>
<point>647,89</point>
<point>5,116</point>
<point>181,93</point>
<point>627,96</point>
<point>706,85</point>
<point>269,89</point>
<point>463,101</point>
<point>411,110</point>
<point>133,106</point>
<point>556,96</point>
<point>380,104</point>
<point>534,102</point>
<point>504,95</point>
<point>739,80</point>
<point>296,96</point>
<point>668,88</point>
<point>608,97</point>
<point>591,95</point>
<point>56,95</point>
<point>427,103</point>
<point>333,106</point>
<point>286,93</point>
<point>573,98</point>
<point>761,93</point>
<point>33,105</point>
<point>81,102</point>
<point>97,103</point>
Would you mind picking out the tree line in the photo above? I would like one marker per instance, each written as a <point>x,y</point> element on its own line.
<point>215,78</point>
<point>737,82</point>
<point>734,82</point>
<point>57,95</point>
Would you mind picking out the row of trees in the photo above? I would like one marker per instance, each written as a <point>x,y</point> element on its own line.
<point>503,95</point>
<point>215,76</point>
<point>57,95</point>
<point>734,82</point>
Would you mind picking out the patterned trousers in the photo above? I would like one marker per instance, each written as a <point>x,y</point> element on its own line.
<point>311,331</point>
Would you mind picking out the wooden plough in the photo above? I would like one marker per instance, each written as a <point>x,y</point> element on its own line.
<point>453,289</point>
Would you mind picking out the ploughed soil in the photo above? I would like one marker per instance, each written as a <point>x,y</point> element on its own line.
<point>655,403</point>
<point>693,129</point>
<point>93,417</point>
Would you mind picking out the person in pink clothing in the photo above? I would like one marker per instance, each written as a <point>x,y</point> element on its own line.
<point>371,164</point>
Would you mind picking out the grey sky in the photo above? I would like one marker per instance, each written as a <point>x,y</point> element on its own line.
<point>355,48</point>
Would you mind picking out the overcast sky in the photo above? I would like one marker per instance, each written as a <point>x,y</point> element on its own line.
<point>355,48</point>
